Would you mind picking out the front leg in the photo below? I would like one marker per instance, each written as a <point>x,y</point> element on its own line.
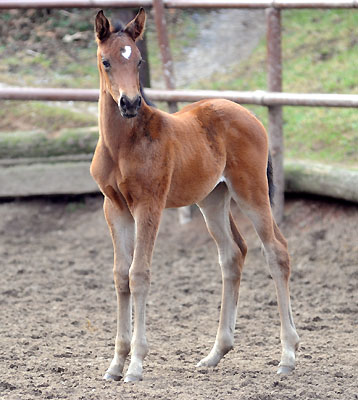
<point>147,220</point>
<point>121,226</point>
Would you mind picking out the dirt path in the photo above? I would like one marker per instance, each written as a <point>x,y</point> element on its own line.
<point>226,37</point>
<point>57,320</point>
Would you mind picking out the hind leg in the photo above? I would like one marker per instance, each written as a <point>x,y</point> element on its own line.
<point>232,250</point>
<point>252,197</point>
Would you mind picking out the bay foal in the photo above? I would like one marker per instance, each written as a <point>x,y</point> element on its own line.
<point>147,160</point>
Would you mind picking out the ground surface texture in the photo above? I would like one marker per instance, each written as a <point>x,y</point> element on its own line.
<point>57,299</point>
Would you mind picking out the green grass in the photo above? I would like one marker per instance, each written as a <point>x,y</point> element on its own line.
<point>40,115</point>
<point>321,55</point>
<point>38,70</point>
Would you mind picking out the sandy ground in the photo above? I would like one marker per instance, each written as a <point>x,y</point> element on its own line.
<point>57,299</point>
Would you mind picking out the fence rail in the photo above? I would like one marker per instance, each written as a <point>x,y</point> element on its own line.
<point>280,4</point>
<point>258,97</point>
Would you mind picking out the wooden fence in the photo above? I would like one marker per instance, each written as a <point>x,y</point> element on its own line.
<point>252,4</point>
<point>274,99</point>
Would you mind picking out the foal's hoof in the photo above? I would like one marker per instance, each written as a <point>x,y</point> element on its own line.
<point>214,357</point>
<point>285,369</point>
<point>109,377</point>
<point>132,378</point>
<point>205,364</point>
<point>209,362</point>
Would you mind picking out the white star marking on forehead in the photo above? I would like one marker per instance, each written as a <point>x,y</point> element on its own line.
<point>127,52</point>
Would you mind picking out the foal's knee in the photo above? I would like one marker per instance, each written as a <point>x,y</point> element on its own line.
<point>139,280</point>
<point>123,346</point>
<point>121,278</point>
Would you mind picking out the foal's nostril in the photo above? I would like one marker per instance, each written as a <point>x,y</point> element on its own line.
<point>122,102</point>
<point>139,101</point>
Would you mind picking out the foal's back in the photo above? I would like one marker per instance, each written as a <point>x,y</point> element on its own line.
<point>222,122</point>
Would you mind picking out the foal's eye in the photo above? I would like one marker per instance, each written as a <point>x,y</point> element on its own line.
<point>140,63</point>
<point>106,64</point>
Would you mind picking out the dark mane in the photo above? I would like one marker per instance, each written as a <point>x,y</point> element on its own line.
<point>118,26</point>
<point>145,98</point>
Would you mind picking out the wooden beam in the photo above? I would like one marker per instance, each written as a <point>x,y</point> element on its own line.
<point>259,97</point>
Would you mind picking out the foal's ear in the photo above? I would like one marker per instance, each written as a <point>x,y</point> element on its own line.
<point>102,26</point>
<point>135,28</point>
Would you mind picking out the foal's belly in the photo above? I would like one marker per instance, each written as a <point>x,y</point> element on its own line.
<point>193,190</point>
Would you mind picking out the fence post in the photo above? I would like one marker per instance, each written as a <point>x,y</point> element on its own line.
<point>274,76</point>
<point>167,62</point>
<point>168,70</point>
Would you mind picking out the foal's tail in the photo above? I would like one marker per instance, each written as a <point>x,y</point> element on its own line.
<point>271,185</point>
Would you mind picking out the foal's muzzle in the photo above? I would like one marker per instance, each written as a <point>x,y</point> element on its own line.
<point>129,107</point>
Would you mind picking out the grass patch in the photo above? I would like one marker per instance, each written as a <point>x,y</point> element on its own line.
<point>42,115</point>
<point>322,134</point>
<point>38,70</point>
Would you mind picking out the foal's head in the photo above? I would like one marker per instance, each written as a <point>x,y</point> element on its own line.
<point>119,60</point>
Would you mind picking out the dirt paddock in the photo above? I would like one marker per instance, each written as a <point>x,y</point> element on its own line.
<point>57,299</point>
